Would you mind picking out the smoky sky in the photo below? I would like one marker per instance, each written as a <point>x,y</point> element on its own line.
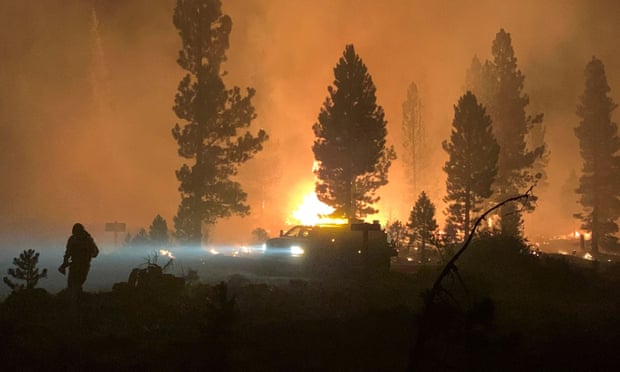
<point>87,88</point>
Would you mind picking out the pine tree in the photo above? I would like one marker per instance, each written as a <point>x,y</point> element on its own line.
<point>128,239</point>
<point>599,184</point>
<point>415,154</point>
<point>26,271</point>
<point>568,194</point>
<point>499,85</point>
<point>422,223</point>
<point>479,80</point>
<point>212,137</point>
<point>158,231</point>
<point>397,234</point>
<point>472,164</point>
<point>141,238</point>
<point>451,234</point>
<point>350,145</point>
<point>536,139</point>
<point>259,236</point>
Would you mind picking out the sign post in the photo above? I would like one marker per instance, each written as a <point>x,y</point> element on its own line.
<point>115,227</point>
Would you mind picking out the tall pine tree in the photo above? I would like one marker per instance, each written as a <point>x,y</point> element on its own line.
<point>214,137</point>
<point>350,145</point>
<point>472,163</point>
<point>479,80</point>
<point>499,84</point>
<point>599,184</point>
<point>415,153</point>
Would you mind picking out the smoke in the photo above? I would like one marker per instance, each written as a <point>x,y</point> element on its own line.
<point>85,111</point>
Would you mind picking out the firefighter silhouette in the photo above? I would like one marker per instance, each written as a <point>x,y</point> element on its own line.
<point>81,248</point>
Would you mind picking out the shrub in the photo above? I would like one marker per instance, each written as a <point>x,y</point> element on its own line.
<point>26,271</point>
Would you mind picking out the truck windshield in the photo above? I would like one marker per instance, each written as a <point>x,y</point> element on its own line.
<point>298,232</point>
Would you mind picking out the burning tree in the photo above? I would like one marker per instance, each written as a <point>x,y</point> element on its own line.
<point>214,117</point>
<point>350,145</point>
<point>26,271</point>
<point>472,163</point>
<point>599,184</point>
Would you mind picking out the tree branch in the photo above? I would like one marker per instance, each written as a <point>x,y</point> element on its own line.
<point>417,350</point>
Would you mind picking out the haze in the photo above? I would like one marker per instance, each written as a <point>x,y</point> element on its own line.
<point>87,87</point>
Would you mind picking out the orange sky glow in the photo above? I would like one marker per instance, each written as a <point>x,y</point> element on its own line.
<point>87,88</point>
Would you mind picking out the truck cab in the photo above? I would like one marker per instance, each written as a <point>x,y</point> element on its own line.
<point>346,246</point>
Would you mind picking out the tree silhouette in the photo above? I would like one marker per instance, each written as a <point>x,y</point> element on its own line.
<point>214,137</point>
<point>568,194</point>
<point>499,85</point>
<point>158,231</point>
<point>415,152</point>
<point>479,80</point>
<point>259,235</point>
<point>350,147</point>
<point>536,139</point>
<point>472,163</point>
<point>433,297</point>
<point>141,238</point>
<point>422,223</point>
<point>26,271</point>
<point>599,184</point>
<point>397,234</point>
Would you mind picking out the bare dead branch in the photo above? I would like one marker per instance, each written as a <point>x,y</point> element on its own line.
<point>417,350</point>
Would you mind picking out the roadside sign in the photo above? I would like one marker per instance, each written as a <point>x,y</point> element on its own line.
<point>115,227</point>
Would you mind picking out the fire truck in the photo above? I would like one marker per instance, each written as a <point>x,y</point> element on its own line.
<point>334,246</point>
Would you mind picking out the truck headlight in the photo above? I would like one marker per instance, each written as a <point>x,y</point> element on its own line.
<point>297,250</point>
